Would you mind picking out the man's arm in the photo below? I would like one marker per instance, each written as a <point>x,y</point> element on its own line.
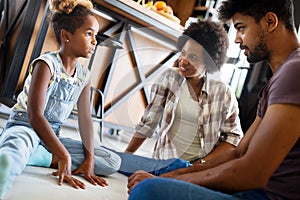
<point>222,157</point>
<point>260,155</point>
<point>184,173</point>
<point>219,150</point>
<point>189,172</point>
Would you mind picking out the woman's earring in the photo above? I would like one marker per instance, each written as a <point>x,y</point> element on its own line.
<point>68,41</point>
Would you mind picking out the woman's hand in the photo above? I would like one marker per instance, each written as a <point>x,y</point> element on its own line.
<point>87,169</point>
<point>137,177</point>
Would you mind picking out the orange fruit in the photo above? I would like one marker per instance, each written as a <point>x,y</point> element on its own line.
<point>160,5</point>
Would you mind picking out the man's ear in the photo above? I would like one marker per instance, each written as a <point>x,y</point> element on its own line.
<point>271,21</point>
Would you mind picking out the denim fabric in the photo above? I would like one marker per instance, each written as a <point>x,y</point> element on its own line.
<point>106,162</point>
<point>172,189</point>
<point>17,142</point>
<point>132,163</point>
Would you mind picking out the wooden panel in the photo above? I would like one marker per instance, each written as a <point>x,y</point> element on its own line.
<point>100,66</point>
<point>150,50</point>
<point>128,85</point>
<point>123,76</point>
<point>128,113</point>
<point>30,48</point>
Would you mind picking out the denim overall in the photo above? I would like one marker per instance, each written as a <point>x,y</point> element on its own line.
<point>18,140</point>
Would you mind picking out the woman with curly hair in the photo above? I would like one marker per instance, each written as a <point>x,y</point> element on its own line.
<point>56,82</point>
<point>195,114</point>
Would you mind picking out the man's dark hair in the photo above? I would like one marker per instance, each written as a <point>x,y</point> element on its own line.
<point>212,37</point>
<point>284,10</point>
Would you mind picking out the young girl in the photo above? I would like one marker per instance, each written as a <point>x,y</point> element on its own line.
<point>56,82</point>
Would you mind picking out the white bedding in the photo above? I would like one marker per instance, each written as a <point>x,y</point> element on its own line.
<point>37,183</point>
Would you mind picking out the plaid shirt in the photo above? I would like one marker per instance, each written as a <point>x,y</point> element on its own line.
<point>218,114</point>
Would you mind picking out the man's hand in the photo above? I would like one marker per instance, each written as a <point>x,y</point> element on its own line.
<point>87,169</point>
<point>137,177</point>
<point>172,174</point>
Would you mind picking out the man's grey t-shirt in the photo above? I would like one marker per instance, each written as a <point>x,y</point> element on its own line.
<point>284,88</point>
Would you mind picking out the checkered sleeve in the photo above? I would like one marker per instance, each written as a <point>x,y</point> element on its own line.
<point>231,128</point>
<point>154,111</point>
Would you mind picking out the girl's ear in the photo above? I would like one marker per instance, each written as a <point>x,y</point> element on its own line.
<point>65,36</point>
<point>271,21</point>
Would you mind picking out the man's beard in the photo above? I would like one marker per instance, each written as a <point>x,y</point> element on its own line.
<point>260,51</point>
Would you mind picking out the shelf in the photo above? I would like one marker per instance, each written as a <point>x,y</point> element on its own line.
<point>135,12</point>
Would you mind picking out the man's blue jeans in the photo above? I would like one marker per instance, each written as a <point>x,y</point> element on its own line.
<point>172,189</point>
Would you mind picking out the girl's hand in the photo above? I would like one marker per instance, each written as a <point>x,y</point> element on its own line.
<point>64,174</point>
<point>86,168</point>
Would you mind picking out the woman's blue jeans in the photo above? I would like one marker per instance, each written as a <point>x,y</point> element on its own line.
<point>132,163</point>
<point>172,189</point>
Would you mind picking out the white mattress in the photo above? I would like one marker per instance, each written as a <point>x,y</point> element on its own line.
<point>37,183</point>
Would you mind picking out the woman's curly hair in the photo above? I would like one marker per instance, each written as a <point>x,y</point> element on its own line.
<point>213,37</point>
<point>69,15</point>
